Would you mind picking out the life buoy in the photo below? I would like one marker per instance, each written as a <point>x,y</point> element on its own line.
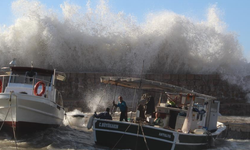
<point>188,96</point>
<point>1,87</point>
<point>36,88</point>
<point>192,96</point>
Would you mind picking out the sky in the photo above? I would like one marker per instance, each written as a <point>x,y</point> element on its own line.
<point>234,13</point>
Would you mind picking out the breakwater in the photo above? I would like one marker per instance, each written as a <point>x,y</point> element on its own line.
<point>237,127</point>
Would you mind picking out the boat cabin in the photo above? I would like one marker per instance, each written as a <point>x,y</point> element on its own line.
<point>30,81</point>
<point>176,105</point>
<point>174,111</point>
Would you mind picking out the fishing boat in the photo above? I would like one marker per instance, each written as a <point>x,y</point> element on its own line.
<point>189,119</point>
<point>29,100</point>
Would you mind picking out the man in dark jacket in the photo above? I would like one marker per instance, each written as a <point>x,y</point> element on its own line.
<point>123,108</point>
<point>104,115</point>
<point>150,106</point>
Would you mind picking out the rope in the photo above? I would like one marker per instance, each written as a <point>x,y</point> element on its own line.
<point>103,95</point>
<point>121,137</point>
<point>115,92</point>
<point>113,101</point>
<point>210,139</point>
<point>14,133</point>
<point>67,119</point>
<point>133,104</point>
<point>144,136</point>
<point>6,114</point>
<point>137,136</point>
<point>13,128</point>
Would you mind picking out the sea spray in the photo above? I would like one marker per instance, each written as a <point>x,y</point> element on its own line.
<point>71,120</point>
<point>87,39</point>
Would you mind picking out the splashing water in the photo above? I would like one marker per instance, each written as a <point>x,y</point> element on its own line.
<point>70,120</point>
<point>96,39</point>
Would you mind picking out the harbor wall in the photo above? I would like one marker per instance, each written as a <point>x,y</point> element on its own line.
<point>78,86</point>
<point>237,127</point>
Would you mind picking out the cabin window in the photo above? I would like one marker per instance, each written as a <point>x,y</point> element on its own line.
<point>27,77</point>
<point>16,78</point>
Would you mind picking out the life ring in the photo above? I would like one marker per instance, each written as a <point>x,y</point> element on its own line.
<point>36,88</point>
<point>192,96</point>
<point>188,96</point>
<point>1,87</point>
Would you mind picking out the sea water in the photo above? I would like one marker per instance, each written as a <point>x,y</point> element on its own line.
<point>75,136</point>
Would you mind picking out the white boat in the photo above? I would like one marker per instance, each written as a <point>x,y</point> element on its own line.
<point>29,100</point>
<point>192,125</point>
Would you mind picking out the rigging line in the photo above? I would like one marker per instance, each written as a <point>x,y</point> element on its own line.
<point>115,92</point>
<point>141,74</point>
<point>121,137</point>
<point>133,103</point>
<point>144,137</point>
<point>103,94</point>
<point>113,107</point>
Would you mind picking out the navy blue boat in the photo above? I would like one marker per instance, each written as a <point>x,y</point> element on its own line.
<point>188,122</point>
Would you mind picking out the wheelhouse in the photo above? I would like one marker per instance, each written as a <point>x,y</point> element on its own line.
<point>24,80</point>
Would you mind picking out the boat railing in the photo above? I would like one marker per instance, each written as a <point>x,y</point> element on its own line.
<point>13,81</point>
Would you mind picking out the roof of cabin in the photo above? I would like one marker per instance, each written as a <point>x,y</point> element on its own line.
<point>138,83</point>
<point>40,70</point>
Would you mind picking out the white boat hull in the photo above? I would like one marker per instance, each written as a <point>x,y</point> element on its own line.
<point>27,112</point>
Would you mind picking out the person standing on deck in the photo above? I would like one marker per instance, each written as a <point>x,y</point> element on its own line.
<point>123,108</point>
<point>150,106</point>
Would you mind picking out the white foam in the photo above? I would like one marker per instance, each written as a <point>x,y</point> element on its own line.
<point>85,38</point>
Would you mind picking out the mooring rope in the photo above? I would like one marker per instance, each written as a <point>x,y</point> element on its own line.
<point>13,128</point>
<point>9,109</point>
<point>144,136</point>
<point>137,136</point>
<point>5,117</point>
<point>121,137</point>
<point>210,139</point>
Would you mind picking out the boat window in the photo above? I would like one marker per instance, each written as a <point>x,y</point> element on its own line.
<point>16,78</point>
<point>27,77</point>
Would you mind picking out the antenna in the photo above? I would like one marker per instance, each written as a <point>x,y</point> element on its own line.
<point>141,73</point>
